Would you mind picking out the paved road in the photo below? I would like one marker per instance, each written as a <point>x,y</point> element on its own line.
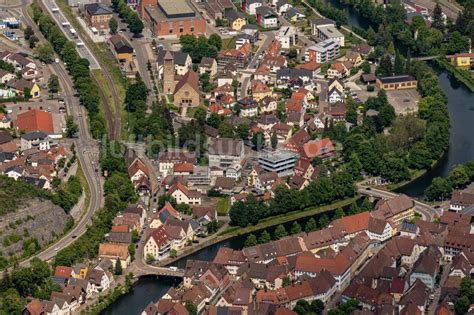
<point>83,50</point>
<point>87,153</point>
<point>428,212</point>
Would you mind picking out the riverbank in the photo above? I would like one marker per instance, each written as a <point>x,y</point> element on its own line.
<point>461,75</point>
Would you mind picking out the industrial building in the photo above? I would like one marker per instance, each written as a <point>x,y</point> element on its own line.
<point>280,162</point>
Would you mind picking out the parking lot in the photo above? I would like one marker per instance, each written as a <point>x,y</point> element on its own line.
<point>404,101</point>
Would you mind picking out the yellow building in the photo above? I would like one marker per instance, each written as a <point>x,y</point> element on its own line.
<point>398,82</point>
<point>464,60</point>
<point>236,20</point>
<point>20,85</point>
<point>80,271</point>
<point>395,210</point>
<point>121,48</point>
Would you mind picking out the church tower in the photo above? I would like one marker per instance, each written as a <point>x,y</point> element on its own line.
<point>168,73</point>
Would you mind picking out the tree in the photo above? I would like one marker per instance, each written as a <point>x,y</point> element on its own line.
<point>71,127</point>
<point>438,20</point>
<point>264,237</point>
<point>200,116</point>
<point>293,53</point>
<point>419,156</point>
<point>113,26</point>
<point>173,253</point>
<point>280,232</point>
<point>12,302</point>
<point>205,82</point>
<point>457,42</point>
<point>44,52</point>
<point>366,205</point>
<point>385,67</point>
<point>399,64</point>
<point>258,140</point>
<point>216,41</point>
<point>302,307</point>
<point>324,221</point>
<point>242,131</point>
<point>191,308</point>
<point>317,306</point>
<point>28,32</point>
<point>311,225</point>
<point>27,93</point>
<point>135,25</point>
<point>458,177</point>
<point>462,304</point>
<point>440,189</point>
<point>53,84</point>
<point>365,66</point>
<point>33,41</point>
<point>149,259</point>
<point>131,251</point>
<point>295,228</point>
<point>339,213</point>
<point>274,140</point>
<point>250,241</point>
<point>118,267</point>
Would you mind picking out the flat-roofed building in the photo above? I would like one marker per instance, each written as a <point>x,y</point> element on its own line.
<point>172,18</point>
<point>397,82</point>
<point>324,51</point>
<point>330,32</point>
<point>280,162</point>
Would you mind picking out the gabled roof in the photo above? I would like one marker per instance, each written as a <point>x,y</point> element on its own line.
<point>97,9</point>
<point>35,120</point>
<point>191,78</point>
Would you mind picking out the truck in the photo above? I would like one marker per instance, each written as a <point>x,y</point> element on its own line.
<point>66,24</point>
<point>73,32</point>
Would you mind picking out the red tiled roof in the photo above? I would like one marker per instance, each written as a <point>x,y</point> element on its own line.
<point>62,271</point>
<point>34,120</point>
<point>183,167</point>
<point>120,228</point>
<point>318,148</point>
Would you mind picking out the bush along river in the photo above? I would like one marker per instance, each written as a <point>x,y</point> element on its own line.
<point>461,149</point>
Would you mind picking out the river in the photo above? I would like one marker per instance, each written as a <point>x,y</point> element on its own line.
<point>461,149</point>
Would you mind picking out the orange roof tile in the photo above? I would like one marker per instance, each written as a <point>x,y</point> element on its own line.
<point>34,120</point>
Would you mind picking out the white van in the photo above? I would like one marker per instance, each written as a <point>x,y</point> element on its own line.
<point>80,44</point>
<point>55,10</point>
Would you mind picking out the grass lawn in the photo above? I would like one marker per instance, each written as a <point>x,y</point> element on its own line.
<point>222,206</point>
<point>228,43</point>
<point>105,88</point>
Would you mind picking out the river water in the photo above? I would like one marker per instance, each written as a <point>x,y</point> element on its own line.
<point>461,149</point>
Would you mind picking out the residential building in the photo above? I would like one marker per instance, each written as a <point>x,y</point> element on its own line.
<point>225,152</point>
<point>158,244</point>
<point>167,160</point>
<point>461,200</point>
<point>398,82</point>
<point>236,19</point>
<point>287,36</point>
<point>237,57</point>
<point>294,14</point>
<point>266,17</point>
<point>251,6</point>
<point>172,18</point>
<point>184,195</point>
<point>325,32</point>
<point>323,22</point>
<point>35,139</point>
<point>115,252</point>
<point>280,162</point>
<point>209,66</point>
<point>323,52</point>
<point>20,86</point>
<point>396,210</point>
<point>98,15</point>
<point>321,148</point>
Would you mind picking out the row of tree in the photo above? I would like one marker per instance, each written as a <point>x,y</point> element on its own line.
<point>322,191</point>
<point>78,68</point>
<point>459,177</point>
<point>130,17</point>
<point>310,225</point>
<point>118,191</point>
